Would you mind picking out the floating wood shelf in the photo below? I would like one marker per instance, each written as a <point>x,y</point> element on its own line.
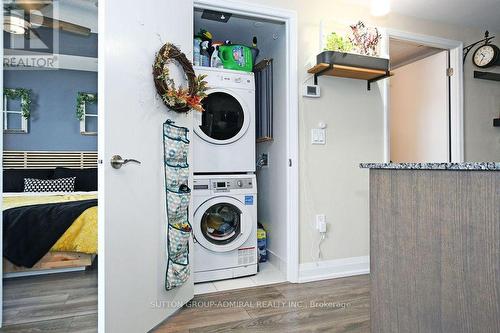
<point>496,122</point>
<point>487,76</point>
<point>353,66</point>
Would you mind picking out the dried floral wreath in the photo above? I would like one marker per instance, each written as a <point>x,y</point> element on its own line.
<point>178,99</point>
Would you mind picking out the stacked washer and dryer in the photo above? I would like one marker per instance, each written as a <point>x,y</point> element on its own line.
<point>225,186</point>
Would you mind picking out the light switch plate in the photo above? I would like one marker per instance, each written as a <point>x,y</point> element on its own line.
<point>318,136</point>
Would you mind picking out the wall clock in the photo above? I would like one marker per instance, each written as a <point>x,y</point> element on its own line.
<point>486,56</point>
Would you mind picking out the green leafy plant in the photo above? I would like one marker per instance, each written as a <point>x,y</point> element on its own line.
<point>83,98</point>
<point>24,95</point>
<point>335,42</point>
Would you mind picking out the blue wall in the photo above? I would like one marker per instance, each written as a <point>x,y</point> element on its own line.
<point>53,124</point>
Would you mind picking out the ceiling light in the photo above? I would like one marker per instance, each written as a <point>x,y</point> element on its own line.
<point>15,25</point>
<point>380,7</point>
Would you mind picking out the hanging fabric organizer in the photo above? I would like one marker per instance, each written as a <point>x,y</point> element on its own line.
<point>178,194</point>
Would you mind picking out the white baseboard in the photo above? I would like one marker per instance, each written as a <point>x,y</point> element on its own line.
<point>330,269</point>
<point>43,272</point>
<point>276,261</point>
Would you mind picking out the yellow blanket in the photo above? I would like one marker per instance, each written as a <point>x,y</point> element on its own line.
<point>81,236</point>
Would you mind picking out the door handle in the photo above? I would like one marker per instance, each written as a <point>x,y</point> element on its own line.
<point>117,161</point>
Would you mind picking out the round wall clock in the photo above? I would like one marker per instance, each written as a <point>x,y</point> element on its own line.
<point>486,56</point>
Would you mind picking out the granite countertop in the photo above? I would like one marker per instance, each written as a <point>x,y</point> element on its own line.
<point>479,166</point>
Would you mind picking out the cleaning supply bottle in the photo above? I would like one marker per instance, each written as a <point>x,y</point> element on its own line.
<point>215,59</point>
<point>196,51</point>
<point>204,54</point>
<point>255,50</point>
<point>237,57</point>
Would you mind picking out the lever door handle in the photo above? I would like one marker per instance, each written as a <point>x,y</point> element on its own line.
<point>117,161</point>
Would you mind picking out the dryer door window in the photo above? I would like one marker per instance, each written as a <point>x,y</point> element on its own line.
<point>221,223</point>
<point>225,118</point>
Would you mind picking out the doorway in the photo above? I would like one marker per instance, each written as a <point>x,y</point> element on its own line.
<point>414,48</point>
<point>277,200</point>
<point>49,165</point>
<point>419,103</point>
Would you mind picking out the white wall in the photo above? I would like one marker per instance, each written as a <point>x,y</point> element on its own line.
<point>271,180</point>
<point>419,111</point>
<point>330,180</point>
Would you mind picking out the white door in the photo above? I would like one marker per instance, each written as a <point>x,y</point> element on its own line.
<point>132,263</point>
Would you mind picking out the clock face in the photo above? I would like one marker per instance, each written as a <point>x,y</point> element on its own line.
<point>484,56</point>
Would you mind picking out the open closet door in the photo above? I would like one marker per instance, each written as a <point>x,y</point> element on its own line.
<point>132,223</point>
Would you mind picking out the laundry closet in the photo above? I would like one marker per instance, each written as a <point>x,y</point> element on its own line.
<point>239,152</point>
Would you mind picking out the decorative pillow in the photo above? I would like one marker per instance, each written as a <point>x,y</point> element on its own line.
<point>49,185</point>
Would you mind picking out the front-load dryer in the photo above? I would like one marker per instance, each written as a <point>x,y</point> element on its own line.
<point>224,140</point>
<point>224,226</point>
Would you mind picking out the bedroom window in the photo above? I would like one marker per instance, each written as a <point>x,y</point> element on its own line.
<point>87,113</point>
<point>16,110</point>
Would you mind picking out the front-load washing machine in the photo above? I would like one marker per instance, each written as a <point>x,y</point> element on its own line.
<point>224,140</point>
<point>224,226</point>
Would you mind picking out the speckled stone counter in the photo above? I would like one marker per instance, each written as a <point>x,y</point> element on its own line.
<point>480,166</point>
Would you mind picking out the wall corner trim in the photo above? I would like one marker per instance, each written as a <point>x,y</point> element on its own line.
<point>331,269</point>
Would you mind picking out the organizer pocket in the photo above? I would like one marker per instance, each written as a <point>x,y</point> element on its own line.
<point>176,153</point>
<point>175,177</point>
<point>177,205</point>
<point>178,242</point>
<point>177,274</point>
<point>175,132</point>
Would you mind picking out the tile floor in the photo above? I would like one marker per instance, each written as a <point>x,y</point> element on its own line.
<point>268,274</point>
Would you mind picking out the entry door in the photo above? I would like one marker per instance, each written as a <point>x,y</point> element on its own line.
<point>133,261</point>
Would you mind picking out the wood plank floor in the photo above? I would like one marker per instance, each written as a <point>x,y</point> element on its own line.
<point>63,303</point>
<point>56,303</point>
<point>279,308</point>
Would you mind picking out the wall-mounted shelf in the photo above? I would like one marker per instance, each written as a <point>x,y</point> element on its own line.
<point>353,66</point>
<point>487,76</point>
<point>496,122</point>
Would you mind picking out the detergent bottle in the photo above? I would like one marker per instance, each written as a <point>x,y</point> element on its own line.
<point>237,57</point>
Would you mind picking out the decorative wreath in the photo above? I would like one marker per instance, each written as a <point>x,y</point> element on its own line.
<point>24,95</point>
<point>178,99</point>
<point>83,98</point>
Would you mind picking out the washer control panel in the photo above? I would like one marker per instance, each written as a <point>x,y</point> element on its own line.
<point>223,184</point>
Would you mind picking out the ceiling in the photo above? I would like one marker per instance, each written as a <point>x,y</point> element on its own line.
<point>239,29</point>
<point>402,52</point>
<point>482,14</point>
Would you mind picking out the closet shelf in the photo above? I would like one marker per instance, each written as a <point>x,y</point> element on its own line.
<point>353,66</point>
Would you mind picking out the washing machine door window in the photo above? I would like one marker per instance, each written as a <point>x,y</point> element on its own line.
<point>225,119</point>
<point>222,224</point>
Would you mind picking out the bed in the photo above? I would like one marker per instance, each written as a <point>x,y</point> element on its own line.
<point>47,232</point>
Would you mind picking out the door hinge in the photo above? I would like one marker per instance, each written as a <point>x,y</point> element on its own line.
<point>449,71</point>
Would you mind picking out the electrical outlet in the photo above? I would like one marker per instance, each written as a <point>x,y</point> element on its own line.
<point>321,223</point>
